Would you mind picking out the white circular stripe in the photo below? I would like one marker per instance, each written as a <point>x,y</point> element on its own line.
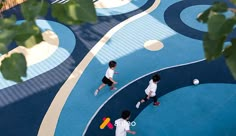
<point>131,83</point>
<point>110,3</point>
<point>125,8</point>
<point>50,120</point>
<point>153,45</point>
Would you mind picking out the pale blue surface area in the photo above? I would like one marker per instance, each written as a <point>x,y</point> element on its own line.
<point>189,17</point>
<point>203,110</point>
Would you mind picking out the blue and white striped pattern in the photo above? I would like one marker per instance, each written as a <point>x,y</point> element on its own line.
<point>60,1</point>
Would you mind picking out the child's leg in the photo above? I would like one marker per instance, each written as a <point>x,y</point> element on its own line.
<point>144,99</point>
<point>141,101</point>
<point>101,86</point>
<point>112,87</point>
<point>155,102</point>
<point>154,98</point>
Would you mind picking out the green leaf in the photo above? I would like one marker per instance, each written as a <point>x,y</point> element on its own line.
<point>6,37</point>
<point>7,32</point>
<point>74,12</point>
<point>81,10</point>
<point>3,48</point>
<point>31,41</point>
<point>214,24</point>
<point>33,8</point>
<point>7,22</point>
<point>213,48</point>
<point>230,55</point>
<point>1,5</point>
<point>28,34</point>
<point>233,1</point>
<point>59,12</point>
<point>14,67</point>
<point>44,9</point>
<point>204,16</point>
<point>219,7</point>
<point>228,26</point>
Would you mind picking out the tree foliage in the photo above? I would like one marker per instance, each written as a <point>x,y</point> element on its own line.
<point>220,27</point>
<point>28,34</point>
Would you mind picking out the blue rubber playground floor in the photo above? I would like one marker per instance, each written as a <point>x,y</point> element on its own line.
<point>57,97</point>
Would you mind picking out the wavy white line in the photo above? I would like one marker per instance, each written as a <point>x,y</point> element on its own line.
<point>48,125</point>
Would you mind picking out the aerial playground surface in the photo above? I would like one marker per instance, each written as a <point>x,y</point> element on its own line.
<point>144,37</point>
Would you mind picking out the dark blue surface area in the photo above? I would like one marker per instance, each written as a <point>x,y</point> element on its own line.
<point>171,79</point>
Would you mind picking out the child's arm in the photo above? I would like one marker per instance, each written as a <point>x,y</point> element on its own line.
<point>131,132</point>
<point>149,94</point>
<point>113,80</point>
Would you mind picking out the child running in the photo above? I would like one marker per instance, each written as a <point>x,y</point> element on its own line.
<point>108,78</point>
<point>122,124</point>
<point>151,91</point>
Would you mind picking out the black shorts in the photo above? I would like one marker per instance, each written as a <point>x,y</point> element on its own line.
<point>107,81</point>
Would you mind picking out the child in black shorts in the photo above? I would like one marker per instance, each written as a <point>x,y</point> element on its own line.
<point>150,91</point>
<point>108,78</point>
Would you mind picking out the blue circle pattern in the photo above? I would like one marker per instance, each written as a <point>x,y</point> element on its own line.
<point>66,46</point>
<point>173,19</point>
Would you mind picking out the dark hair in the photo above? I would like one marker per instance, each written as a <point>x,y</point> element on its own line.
<point>125,114</point>
<point>112,64</point>
<point>156,78</point>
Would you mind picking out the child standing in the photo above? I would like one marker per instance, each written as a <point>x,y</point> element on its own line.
<point>122,125</point>
<point>151,91</point>
<point>108,78</point>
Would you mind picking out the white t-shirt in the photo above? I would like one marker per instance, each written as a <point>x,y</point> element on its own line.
<point>151,87</point>
<point>121,127</point>
<point>109,73</point>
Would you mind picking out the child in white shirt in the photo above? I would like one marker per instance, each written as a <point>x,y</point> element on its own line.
<point>122,125</point>
<point>151,91</point>
<point>108,78</point>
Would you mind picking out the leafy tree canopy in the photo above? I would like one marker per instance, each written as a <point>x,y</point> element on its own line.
<point>28,34</point>
<point>219,28</point>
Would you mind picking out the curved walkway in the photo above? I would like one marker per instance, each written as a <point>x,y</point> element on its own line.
<point>171,79</point>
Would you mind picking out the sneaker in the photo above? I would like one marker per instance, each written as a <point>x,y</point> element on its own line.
<point>113,88</point>
<point>96,93</point>
<point>156,103</point>
<point>138,104</point>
